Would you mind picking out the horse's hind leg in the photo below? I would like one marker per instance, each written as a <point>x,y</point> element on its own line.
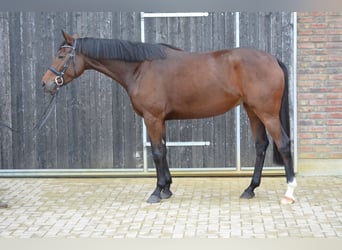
<point>283,143</point>
<point>261,144</point>
<point>156,131</point>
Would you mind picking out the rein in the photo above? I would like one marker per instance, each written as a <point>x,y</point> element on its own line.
<point>59,81</point>
<point>41,122</point>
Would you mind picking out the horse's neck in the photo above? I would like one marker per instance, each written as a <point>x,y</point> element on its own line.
<point>120,71</point>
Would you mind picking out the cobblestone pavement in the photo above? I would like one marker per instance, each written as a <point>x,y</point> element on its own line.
<point>200,207</point>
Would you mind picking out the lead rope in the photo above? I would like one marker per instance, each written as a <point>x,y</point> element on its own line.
<point>41,122</point>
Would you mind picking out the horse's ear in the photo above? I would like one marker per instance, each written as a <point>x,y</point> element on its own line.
<point>69,39</point>
<point>75,36</point>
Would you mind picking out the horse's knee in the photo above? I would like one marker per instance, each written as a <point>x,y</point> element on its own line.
<point>157,157</point>
<point>261,147</point>
<point>158,154</point>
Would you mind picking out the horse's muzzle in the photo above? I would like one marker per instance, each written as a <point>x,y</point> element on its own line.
<point>49,87</point>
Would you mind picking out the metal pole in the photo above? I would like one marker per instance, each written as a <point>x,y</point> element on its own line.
<point>237,109</point>
<point>295,152</point>
<point>142,32</point>
<point>176,14</point>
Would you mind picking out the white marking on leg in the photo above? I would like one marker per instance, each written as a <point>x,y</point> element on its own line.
<point>290,189</point>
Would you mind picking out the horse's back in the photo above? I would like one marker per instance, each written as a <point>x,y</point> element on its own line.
<point>197,85</point>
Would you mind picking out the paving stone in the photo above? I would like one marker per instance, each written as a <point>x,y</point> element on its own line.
<point>200,207</point>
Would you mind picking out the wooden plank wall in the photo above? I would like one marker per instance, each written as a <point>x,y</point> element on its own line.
<point>93,124</point>
<point>6,155</point>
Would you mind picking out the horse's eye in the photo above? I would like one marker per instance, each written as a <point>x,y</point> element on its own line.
<point>61,56</point>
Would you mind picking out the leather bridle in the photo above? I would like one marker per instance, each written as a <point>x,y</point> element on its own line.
<point>59,80</point>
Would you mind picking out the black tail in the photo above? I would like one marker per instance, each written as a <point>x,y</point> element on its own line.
<point>284,114</point>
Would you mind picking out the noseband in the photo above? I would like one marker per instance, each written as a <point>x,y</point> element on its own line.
<point>59,80</point>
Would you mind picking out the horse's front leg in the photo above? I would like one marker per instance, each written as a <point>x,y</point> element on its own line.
<point>156,131</point>
<point>164,180</point>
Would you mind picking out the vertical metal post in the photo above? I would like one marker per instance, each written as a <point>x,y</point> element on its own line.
<point>237,109</point>
<point>142,34</point>
<point>295,152</point>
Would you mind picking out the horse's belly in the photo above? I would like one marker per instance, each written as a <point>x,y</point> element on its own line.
<point>206,107</point>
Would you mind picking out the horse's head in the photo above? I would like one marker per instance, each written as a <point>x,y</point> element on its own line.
<point>66,66</point>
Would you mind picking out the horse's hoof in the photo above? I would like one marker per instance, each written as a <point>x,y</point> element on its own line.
<point>247,195</point>
<point>153,199</point>
<point>287,200</point>
<point>165,194</point>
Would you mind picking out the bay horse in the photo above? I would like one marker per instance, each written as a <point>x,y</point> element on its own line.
<point>166,83</point>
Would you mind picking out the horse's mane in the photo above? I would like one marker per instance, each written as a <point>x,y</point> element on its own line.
<point>116,49</point>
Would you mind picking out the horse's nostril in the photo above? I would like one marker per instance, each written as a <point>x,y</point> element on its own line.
<point>43,84</point>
